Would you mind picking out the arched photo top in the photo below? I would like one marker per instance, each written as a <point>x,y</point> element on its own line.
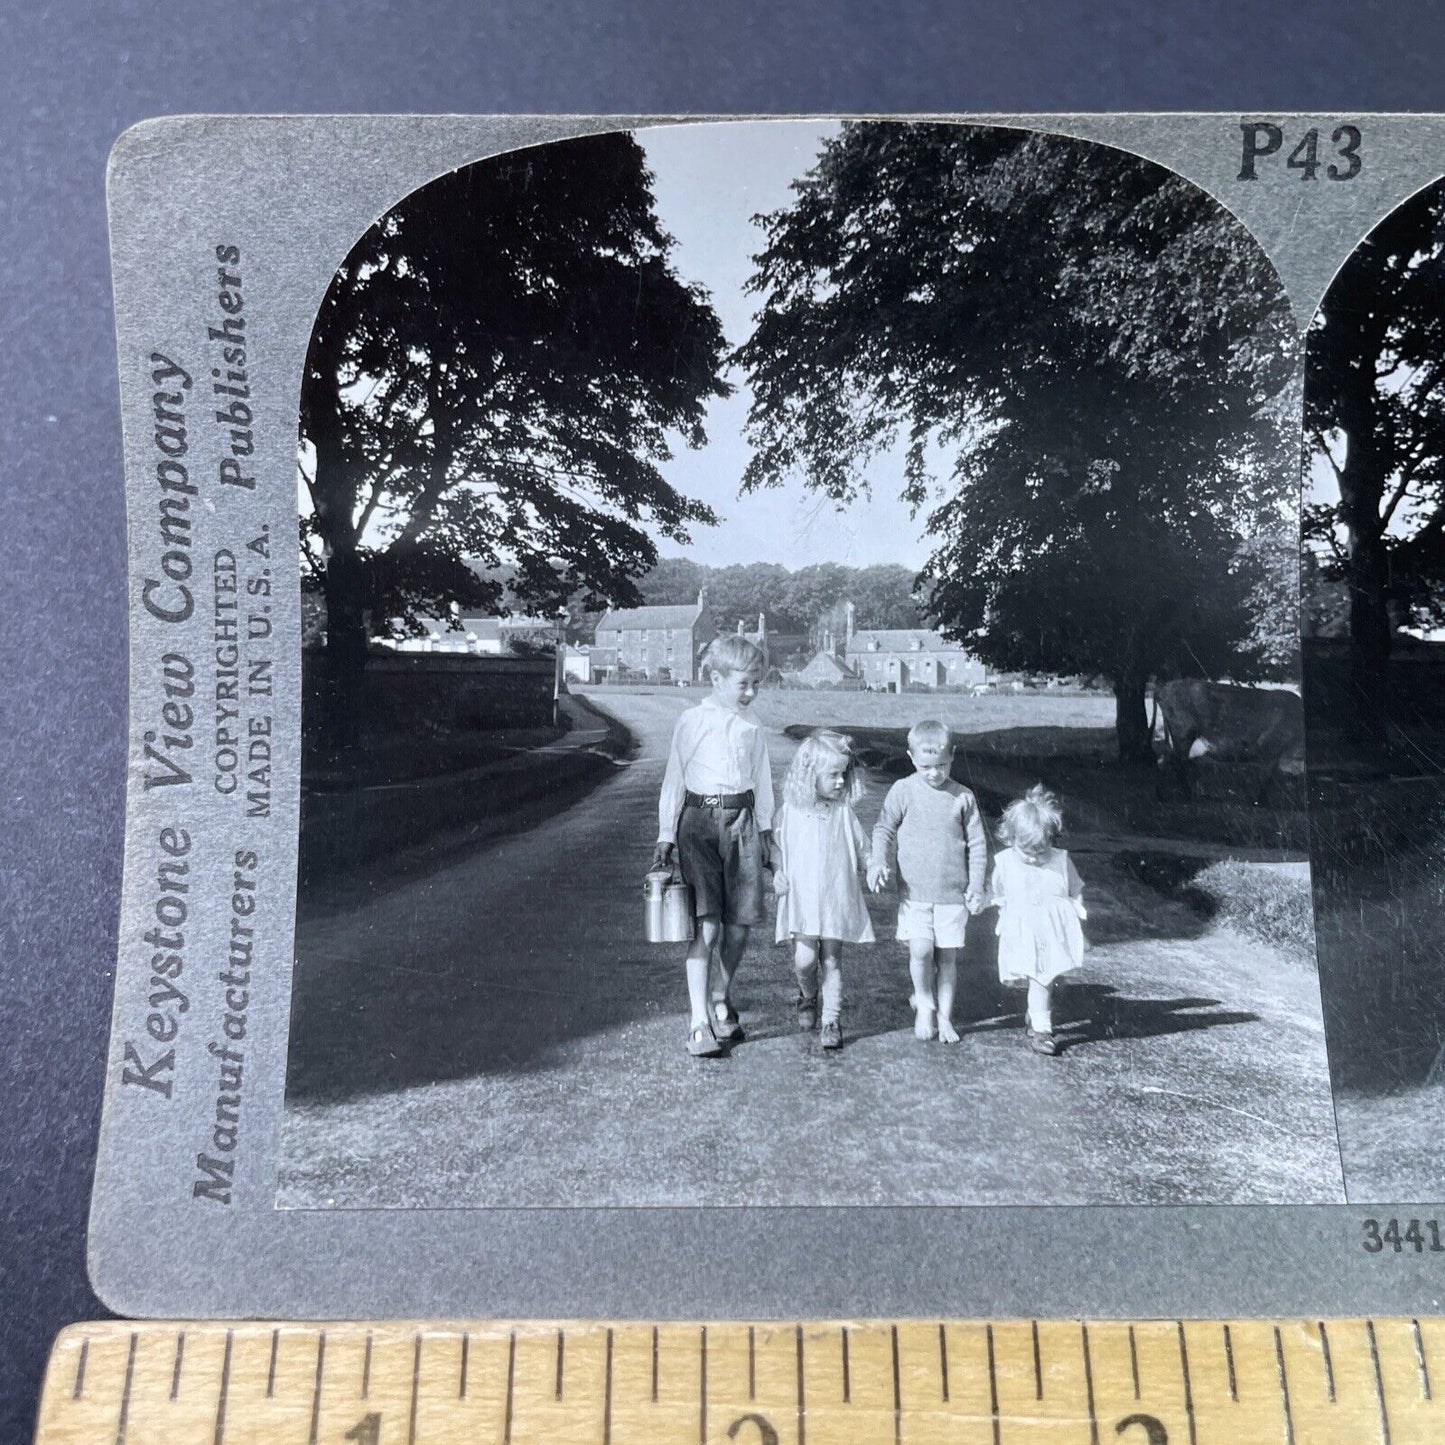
<point>1046,365</point>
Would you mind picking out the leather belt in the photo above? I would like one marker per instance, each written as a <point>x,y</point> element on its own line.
<point>719,800</point>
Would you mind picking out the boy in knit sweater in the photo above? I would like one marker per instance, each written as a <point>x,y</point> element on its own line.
<point>931,832</point>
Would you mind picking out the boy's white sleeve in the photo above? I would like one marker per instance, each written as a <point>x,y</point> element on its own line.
<point>762,783</point>
<point>669,803</point>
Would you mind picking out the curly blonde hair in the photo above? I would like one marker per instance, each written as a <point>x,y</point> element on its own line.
<point>1031,823</point>
<point>800,786</point>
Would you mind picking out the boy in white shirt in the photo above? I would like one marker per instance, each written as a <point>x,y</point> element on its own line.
<point>714,823</point>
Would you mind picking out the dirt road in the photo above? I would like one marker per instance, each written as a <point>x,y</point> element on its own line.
<point>496,1033</point>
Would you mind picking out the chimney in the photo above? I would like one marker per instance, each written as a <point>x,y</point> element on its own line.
<point>740,627</point>
<point>762,626</point>
<point>702,596</point>
<point>849,612</point>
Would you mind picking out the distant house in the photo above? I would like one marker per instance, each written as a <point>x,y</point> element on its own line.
<point>663,644</point>
<point>827,669</point>
<point>895,659</point>
<point>577,663</point>
<point>483,636</point>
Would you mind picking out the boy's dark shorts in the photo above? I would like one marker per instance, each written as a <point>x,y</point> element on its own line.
<point>720,853</point>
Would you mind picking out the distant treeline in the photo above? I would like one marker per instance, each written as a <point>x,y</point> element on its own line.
<point>807,601</point>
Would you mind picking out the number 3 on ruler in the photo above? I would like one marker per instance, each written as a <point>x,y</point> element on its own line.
<point>1153,1429</point>
<point>1262,138</point>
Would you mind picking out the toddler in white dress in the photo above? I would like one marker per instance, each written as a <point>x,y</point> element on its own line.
<point>821,853</point>
<point>1039,896</point>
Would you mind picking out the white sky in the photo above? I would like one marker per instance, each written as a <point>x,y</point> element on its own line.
<point>710,181</point>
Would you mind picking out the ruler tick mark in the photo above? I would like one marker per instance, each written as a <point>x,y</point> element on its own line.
<point>176,1368</point>
<point>511,1376</point>
<point>607,1386</point>
<point>124,1421</point>
<point>1134,1361</point>
<point>561,1347</point>
<point>366,1369</point>
<point>847,1384</point>
<point>993,1388</point>
<point>1188,1385</point>
<point>1420,1364</point>
<point>943,1360</point>
<point>1379,1383</point>
<point>466,1350</point>
<point>1088,1381</point>
<point>897,1393</point>
<point>316,1390</point>
<point>415,1389</point>
<point>702,1390</point>
<point>802,1423</point>
<point>79,1389</point>
<point>220,1432</point>
<point>271,1368</point>
<point>654,1361</point>
<point>1229,1365</point>
<point>1283,1388</point>
<point>1329,1362</point>
<point>1038,1364</point>
<point>752,1367</point>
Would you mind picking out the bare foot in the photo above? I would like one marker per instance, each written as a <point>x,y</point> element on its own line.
<point>946,1031</point>
<point>923,1014</point>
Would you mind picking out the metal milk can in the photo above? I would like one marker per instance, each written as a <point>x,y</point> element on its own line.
<point>668,913</point>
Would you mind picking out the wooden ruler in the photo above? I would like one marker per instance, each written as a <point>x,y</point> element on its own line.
<point>912,1382</point>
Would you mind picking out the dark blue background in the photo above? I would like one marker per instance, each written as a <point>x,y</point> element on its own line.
<point>74,77</point>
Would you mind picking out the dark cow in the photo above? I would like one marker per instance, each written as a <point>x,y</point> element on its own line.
<point>1256,727</point>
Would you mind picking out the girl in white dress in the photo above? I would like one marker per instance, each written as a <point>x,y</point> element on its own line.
<point>822,853</point>
<point>1039,896</point>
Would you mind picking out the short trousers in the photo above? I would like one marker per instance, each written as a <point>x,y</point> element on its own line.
<point>720,854</point>
<point>942,924</point>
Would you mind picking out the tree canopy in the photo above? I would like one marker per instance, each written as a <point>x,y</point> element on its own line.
<point>1088,363</point>
<point>1375,418</point>
<point>496,372</point>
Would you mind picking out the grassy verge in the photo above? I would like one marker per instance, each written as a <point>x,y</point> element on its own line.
<point>1263,901</point>
<point>406,825</point>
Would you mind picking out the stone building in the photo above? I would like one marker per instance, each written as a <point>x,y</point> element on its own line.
<point>662,644</point>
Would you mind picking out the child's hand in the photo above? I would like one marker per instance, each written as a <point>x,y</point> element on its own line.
<point>878,875</point>
<point>780,884</point>
<point>662,857</point>
<point>975,903</point>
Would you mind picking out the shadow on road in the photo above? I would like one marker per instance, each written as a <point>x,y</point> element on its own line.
<point>1092,1012</point>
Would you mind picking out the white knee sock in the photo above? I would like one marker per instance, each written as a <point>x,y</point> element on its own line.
<point>1041,1018</point>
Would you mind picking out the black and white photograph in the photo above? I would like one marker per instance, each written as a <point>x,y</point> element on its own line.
<point>801,683</point>
<point>1373,620</point>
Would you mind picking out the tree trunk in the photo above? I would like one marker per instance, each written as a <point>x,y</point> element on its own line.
<point>1132,730</point>
<point>344,582</point>
<point>344,586</point>
<point>1367,575</point>
<point>1370,637</point>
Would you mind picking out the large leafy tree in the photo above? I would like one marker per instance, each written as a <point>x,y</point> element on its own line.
<point>1375,417</point>
<point>497,372</point>
<point>1088,363</point>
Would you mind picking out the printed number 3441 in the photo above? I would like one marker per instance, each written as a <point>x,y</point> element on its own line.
<point>1418,1234</point>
